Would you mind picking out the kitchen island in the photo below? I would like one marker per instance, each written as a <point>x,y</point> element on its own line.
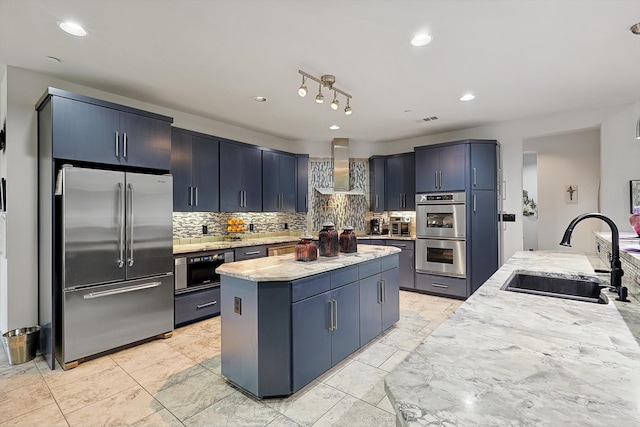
<point>506,358</point>
<point>285,322</point>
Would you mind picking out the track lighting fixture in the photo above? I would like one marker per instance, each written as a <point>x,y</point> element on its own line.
<point>327,81</point>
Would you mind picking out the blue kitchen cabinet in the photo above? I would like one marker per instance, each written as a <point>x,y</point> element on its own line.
<point>195,170</point>
<point>240,177</point>
<point>400,180</point>
<point>379,297</point>
<point>302,182</point>
<point>483,165</point>
<point>406,267</point>
<point>377,168</point>
<point>278,182</point>
<point>441,168</point>
<point>197,305</point>
<point>482,258</point>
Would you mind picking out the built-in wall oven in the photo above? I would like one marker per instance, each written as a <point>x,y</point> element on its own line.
<point>441,245</point>
<point>198,272</point>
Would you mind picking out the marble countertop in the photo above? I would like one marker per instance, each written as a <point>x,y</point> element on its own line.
<point>510,359</point>
<point>286,268</point>
<point>213,246</point>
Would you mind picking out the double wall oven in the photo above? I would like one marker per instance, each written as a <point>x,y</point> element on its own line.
<point>441,234</point>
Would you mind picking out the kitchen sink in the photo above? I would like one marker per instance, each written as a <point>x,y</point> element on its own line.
<point>581,288</point>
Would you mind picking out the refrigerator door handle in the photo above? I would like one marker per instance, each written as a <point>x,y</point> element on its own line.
<point>130,223</point>
<point>99,294</point>
<point>122,225</point>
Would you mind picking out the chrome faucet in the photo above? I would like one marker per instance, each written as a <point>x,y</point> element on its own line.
<point>614,258</point>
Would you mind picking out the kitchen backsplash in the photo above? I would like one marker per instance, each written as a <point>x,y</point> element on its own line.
<point>189,224</point>
<point>341,209</point>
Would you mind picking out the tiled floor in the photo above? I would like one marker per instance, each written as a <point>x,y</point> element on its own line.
<point>177,382</point>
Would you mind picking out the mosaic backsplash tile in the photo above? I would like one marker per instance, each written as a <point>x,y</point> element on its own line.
<point>189,224</point>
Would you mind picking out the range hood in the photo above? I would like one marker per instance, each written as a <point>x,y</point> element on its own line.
<point>341,181</point>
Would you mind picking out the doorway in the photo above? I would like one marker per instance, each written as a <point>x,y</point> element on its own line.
<point>560,180</point>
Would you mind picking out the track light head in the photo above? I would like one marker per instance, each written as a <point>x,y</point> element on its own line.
<point>303,89</point>
<point>347,109</point>
<point>319,96</point>
<point>335,104</point>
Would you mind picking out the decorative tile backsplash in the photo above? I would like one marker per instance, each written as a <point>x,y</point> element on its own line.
<point>189,224</point>
<point>341,209</point>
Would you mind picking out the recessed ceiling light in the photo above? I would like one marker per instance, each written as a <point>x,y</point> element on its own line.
<point>53,59</point>
<point>635,28</point>
<point>421,39</point>
<point>72,28</point>
<point>334,127</point>
<point>260,99</point>
<point>467,97</point>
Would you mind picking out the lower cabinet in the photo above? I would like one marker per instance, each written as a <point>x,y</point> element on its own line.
<point>325,330</point>
<point>197,305</point>
<point>406,270</point>
<point>442,285</point>
<point>250,252</point>
<point>379,304</point>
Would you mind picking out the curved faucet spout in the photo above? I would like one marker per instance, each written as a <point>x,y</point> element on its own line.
<point>616,270</point>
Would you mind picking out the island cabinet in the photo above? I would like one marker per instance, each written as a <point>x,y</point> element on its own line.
<point>91,130</point>
<point>406,263</point>
<point>284,323</point>
<point>240,177</point>
<point>400,176</point>
<point>195,170</point>
<point>278,182</point>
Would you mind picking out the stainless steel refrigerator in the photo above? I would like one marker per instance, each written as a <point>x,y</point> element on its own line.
<point>117,259</point>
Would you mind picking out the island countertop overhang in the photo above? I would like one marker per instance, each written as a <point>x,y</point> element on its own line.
<point>284,268</point>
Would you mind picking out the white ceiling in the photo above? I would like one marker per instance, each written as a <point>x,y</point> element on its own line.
<point>210,58</point>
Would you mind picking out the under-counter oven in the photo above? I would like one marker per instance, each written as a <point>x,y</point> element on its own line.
<point>441,215</point>
<point>441,256</point>
<point>197,272</point>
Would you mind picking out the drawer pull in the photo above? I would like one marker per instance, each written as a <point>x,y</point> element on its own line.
<point>252,253</point>
<point>437,285</point>
<point>206,304</point>
<point>398,245</point>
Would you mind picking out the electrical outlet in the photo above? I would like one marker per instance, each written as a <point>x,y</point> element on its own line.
<point>205,229</point>
<point>250,227</point>
<point>286,226</point>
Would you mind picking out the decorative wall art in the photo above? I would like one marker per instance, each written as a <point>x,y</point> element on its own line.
<point>571,194</point>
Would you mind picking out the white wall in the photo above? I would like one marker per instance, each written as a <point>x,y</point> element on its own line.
<point>567,159</point>
<point>530,183</point>
<point>19,93</point>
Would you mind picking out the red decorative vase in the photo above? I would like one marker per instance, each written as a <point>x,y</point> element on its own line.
<point>306,249</point>
<point>328,240</point>
<point>348,241</point>
<point>634,219</point>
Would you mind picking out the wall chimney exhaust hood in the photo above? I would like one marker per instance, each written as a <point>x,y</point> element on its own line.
<point>341,182</point>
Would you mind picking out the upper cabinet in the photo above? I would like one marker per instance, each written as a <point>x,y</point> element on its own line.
<point>240,177</point>
<point>400,177</point>
<point>484,166</point>
<point>302,184</point>
<point>278,182</point>
<point>90,130</point>
<point>441,168</point>
<point>195,170</point>
<point>377,168</point>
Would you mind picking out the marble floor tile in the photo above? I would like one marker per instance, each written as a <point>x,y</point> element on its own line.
<point>121,409</point>
<point>162,418</point>
<point>376,354</point>
<point>282,421</point>
<point>49,416</point>
<point>166,373</point>
<point>59,377</point>
<point>402,339</point>
<point>73,395</point>
<point>21,401</point>
<point>236,409</point>
<point>385,405</point>
<point>213,364</point>
<point>194,394</point>
<point>198,344</point>
<point>353,412</point>
<point>144,355</point>
<point>18,376</point>
<point>361,381</point>
<point>393,361</point>
<point>309,404</point>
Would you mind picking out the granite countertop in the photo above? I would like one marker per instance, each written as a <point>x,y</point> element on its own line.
<point>510,359</point>
<point>385,237</point>
<point>286,268</point>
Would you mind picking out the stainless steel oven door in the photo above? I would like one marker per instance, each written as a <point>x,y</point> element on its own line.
<point>445,257</point>
<point>441,220</point>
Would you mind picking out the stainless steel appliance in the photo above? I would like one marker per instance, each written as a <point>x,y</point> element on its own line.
<point>441,234</point>
<point>117,252</point>
<point>400,225</point>
<point>374,226</point>
<point>441,215</point>
<point>199,272</point>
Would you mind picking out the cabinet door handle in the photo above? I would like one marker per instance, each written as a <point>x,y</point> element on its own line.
<point>474,177</point>
<point>335,315</point>
<point>384,291</point>
<point>196,195</point>
<point>398,245</point>
<point>206,304</point>
<point>379,291</point>
<point>244,199</point>
<point>124,149</point>
<point>190,196</point>
<point>117,145</point>
<point>440,174</point>
<point>377,204</point>
<point>437,285</point>
<point>306,205</point>
<point>436,179</point>
<point>240,198</point>
<point>474,204</point>
<point>331,328</point>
